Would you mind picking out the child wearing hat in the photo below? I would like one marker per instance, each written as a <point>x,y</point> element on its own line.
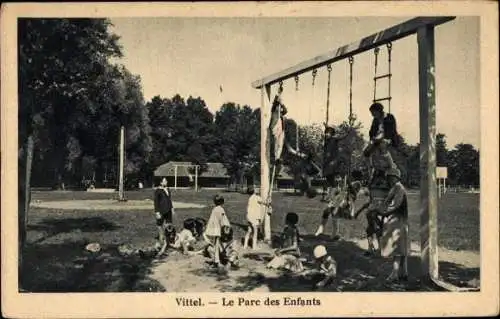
<point>327,268</point>
<point>217,220</point>
<point>288,256</point>
<point>394,240</point>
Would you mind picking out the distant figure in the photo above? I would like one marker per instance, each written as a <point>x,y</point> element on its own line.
<point>141,186</point>
<point>164,209</point>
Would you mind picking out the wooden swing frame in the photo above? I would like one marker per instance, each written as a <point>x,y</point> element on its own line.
<point>423,27</point>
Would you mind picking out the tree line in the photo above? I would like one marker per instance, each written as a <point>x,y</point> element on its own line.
<point>74,96</point>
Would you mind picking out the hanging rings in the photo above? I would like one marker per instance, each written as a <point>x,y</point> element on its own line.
<point>314,73</point>
<point>296,83</point>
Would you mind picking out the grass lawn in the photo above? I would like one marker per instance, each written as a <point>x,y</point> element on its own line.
<point>55,258</point>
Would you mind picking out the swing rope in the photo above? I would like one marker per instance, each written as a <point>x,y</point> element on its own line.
<point>296,124</point>
<point>313,102</point>
<point>351,118</point>
<point>329,69</point>
<point>389,49</point>
<point>351,62</point>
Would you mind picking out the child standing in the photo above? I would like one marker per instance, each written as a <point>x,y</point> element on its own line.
<point>288,256</point>
<point>217,220</point>
<point>327,268</point>
<point>254,218</point>
<point>395,241</point>
<point>341,205</point>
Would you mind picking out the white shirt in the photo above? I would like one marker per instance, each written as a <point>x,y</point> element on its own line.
<point>254,209</point>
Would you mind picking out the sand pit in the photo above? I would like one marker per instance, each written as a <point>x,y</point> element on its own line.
<point>110,204</point>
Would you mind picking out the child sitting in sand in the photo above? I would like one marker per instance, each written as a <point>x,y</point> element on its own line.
<point>327,268</point>
<point>185,239</point>
<point>288,256</point>
<point>228,254</point>
<point>168,238</point>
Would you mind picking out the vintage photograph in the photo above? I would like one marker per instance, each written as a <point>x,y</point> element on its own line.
<point>247,154</point>
<point>273,159</point>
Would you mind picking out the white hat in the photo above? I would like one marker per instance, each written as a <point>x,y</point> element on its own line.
<point>319,251</point>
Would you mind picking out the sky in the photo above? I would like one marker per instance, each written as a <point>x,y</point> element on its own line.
<point>194,56</point>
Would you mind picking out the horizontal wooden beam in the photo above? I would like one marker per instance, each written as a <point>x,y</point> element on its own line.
<point>377,39</point>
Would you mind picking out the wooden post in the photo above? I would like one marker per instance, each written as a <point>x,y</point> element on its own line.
<point>196,178</point>
<point>264,159</point>
<point>428,194</point>
<point>121,195</point>
<point>175,177</point>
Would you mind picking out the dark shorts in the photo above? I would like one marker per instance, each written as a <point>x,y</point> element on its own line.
<point>375,225</point>
<point>166,217</point>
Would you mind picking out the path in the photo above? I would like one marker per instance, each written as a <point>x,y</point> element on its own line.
<point>110,204</point>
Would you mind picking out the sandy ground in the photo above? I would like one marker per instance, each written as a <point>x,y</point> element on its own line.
<point>179,273</point>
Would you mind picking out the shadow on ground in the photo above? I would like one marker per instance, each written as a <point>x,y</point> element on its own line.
<point>54,226</point>
<point>68,267</point>
<point>355,272</point>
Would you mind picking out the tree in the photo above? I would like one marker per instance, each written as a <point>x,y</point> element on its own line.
<point>464,165</point>
<point>238,131</point>
<point>181,131</point>
<point>59,62</point>
<point>441,150</point>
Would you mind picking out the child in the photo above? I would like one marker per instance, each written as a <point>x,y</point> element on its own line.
<point>374,227</point>
<point>327,268</point>
<point>277,126</point>
<point>254,218</point>
<point>395,241</point>
<point>227,250</point>
<point>185,239</point>
<point>168,238</point>
<point>288,256</point>
<point>334,200</point>
<point>383,137</point>
<point>196,226</point>
<point>307,169</point>
<point>341,205</point>
<point>331,155</point>
<point>217,220</point>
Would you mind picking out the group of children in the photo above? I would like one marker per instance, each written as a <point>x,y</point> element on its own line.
<point>386,212</point>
